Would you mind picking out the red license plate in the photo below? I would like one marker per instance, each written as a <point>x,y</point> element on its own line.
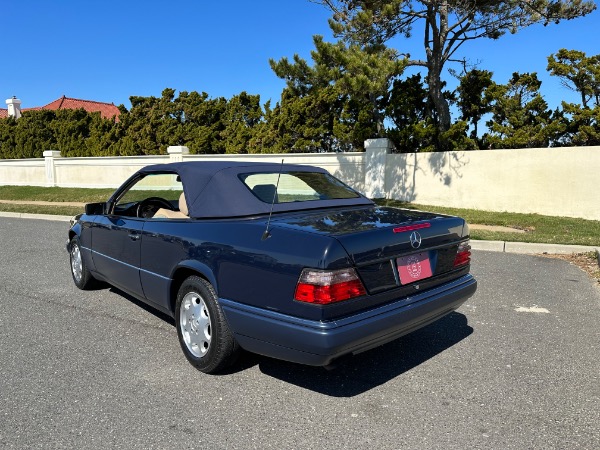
<point>414,267</point>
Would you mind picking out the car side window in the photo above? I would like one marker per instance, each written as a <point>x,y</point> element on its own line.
<point>147,195</point>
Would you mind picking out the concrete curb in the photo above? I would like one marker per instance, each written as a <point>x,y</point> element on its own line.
<point>36,216</point>
<point>490,246</point>
<point>41,202</point>
<point>531,248</point>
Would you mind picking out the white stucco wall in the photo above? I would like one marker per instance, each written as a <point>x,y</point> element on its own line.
<point>112,171</point>
<point>558,181</point>
<point>555,181</point>
<point>23,172</point>
<point>100,172</point>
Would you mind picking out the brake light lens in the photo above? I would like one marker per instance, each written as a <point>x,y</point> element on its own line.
<point>463,254</point>
<point>417,226</point>
<point>323,287</point>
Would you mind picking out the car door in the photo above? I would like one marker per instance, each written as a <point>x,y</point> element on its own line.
<point>116,240</point>
<point>118,235</point>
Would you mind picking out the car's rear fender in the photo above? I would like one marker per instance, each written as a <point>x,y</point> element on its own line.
<point>161,290</point>
<point>184,270</point>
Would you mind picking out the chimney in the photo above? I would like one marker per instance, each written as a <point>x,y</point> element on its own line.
<point>14,107</point>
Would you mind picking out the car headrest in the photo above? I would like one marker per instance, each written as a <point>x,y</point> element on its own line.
<point>183,204</point>
<point>266,192</point>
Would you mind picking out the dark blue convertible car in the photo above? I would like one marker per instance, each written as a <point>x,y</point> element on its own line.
<point>278,259</point>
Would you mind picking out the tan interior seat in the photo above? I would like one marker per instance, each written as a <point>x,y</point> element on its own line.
<point>163,213</point>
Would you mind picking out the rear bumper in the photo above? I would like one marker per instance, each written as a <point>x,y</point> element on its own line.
<point>319,343</point>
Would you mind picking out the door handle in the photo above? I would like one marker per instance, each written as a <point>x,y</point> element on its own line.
<point>134,236</point>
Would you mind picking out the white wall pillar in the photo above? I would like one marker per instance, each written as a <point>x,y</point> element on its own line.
<point>376,151</point>
<point>49,156</point>
<point>177,152</point>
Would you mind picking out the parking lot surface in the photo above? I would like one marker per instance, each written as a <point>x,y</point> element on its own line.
<point>517,366</point>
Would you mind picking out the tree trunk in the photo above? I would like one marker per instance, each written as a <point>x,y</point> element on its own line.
<point>442,109</point>
<point>436,32</point>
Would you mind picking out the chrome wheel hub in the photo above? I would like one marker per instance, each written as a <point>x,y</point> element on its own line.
<point>194,321</point>
<point>76,263</point>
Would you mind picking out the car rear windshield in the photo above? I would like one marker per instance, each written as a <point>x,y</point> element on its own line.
<point>296,187</point>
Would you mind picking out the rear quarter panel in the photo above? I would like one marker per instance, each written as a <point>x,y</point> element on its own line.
<point>231,255</point>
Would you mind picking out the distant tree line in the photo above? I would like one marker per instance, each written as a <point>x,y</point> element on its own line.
<point>355,89</point>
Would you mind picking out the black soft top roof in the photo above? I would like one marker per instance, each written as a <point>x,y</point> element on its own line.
<point>214,188</point>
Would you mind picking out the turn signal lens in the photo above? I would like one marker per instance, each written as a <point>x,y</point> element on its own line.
<point>323,287</point>
<point>463,254</point>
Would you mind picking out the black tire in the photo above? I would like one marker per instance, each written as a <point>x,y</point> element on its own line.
<point>204,336</point>
<point>82,277</point>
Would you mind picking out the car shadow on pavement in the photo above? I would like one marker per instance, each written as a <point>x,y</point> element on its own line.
<point>358,374</point>
<point>155,312</point>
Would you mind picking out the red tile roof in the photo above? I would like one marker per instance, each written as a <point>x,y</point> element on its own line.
<point>106,110</point>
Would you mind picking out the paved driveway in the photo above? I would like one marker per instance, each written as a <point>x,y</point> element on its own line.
<point>516,367</point>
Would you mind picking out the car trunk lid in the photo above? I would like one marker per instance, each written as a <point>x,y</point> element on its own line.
<point>390,247</point>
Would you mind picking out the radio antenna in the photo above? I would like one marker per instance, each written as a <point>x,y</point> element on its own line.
<point>267,234</point>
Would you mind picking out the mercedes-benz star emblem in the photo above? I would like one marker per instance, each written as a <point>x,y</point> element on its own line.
<point>415,239</point>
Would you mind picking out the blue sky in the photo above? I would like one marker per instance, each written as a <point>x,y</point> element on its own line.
<point>109,50</point>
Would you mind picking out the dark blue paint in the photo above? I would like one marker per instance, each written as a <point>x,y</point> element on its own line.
<point>116,244</point>
<point>319,343</point>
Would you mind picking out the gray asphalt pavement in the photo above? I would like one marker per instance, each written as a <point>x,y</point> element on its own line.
<point>516,367</point>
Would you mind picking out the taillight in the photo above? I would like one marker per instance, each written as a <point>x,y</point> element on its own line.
<point>414,227</point>
<point>328,286</point>
<point>463,254</point>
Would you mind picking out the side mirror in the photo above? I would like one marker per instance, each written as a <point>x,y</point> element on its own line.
<point>94,209</point>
